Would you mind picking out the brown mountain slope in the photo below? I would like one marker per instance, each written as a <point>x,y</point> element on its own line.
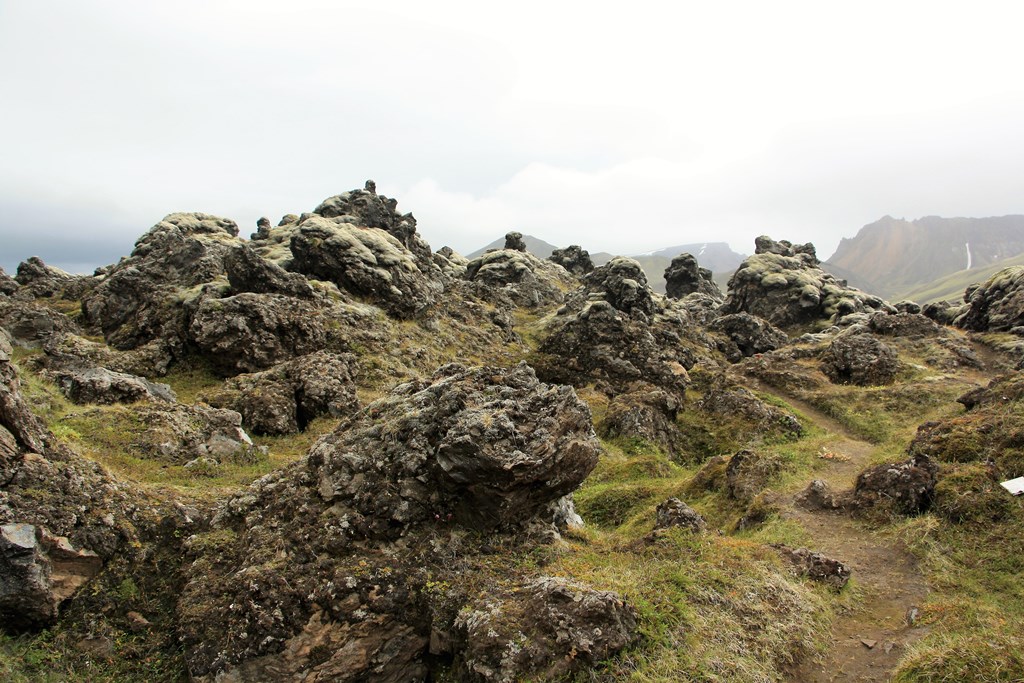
<point>896,255</point>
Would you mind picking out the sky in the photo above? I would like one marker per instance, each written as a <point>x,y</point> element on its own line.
<point>622,127</point>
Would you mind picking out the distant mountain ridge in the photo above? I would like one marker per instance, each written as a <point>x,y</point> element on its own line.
<point>716,256</point>
<point>893,257</point>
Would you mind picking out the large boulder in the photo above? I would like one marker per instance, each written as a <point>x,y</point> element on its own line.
<point>345,547</point>
<point>8,285</point>
<point>750,334</point>
<point>860,359</point>
<point>784,285</point>
<point>286,398</point>
<point>996,305</point>
<point>519,275</point>
<point>251,332</point>
<point>369,262</point>
<point>684,276</point>
<point>38,571</point>
<point>574,259</point>
<point>675,513</point>
<point>100,385</point>
<point>31,324</point>
<point>560,627</point>
<point>905,487</point>
<point>247,271</point>
<point>140,298</point>
<point>38,280</point>
<point>646,413</point>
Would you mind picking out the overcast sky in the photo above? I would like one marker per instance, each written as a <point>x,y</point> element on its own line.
<point>622,127</point>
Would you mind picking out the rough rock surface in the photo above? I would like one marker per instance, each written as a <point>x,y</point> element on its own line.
<point>284,399</point>
<point>612,330</point>
<point>525,279</point>
<point>8,285</point>
<point>31,324</point>
<point>996,305</point>
<point>817,566</point>
<point>452,263</point>
<point>906,487</point>
<point>646,413</point>
<point>139,300</point>
<point>749,473</point>
<point>574,259</point>
<point>514,241</point>
<point>38,280</point>
<point>674,512</point>
<point>100,385</point>
<point>683,276</point>
<point>784,285</point>
<point>860,359</point>
<point>368,209</point>
<point>561,627</point>
<point>726,400</point>
<point>250,332</point>
<point>247,271</point>
<point>38,572</point>
<point>486,448</point>
<point>70,351</point>
<point>904,324</point>
<point>750,334</point>
<point>368,261</point>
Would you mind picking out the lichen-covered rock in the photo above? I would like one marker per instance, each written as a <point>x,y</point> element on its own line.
<point>726,400</point>
<point>8,285</point>
<point>69,351</point>
<point>251,332</point>
<point>247,271</point>
<point>368,209</point>
<point>452,263</point>
<point>284,399</point>
<point>683,276</point>
<point>785,286</point>
<point>38,280</point>
<point>574,259</point>
<point>675,513</point>
<point>614,330</point>
<point>100,385</point>
<point>514,241</point>
<point>819,496</point>
<point>330,550</point>
<point>904,324</point>
<point>817,567</point>
<point>996,305</point>
<point>31,324</point>
<point>38,571</point>
<point>749,473</point>
<point>860,359</point>
<point>525,279</point>
<point>141,298</point>
<point>558,628</point>
<point>905,487</point>
<point>367,261</point>
<point>647,413</point>
<point>750,334</point>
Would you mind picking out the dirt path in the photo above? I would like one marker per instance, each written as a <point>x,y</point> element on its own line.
<point>868,641</point>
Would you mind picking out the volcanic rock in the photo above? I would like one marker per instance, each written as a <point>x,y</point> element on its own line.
<point>784,285</point>
<point>683,276</point>
<point>100,385</point>
<point>860,359</point>
<point>525,279</point>
<point>817,566</point>
<point>907,487</point>
<point>749,473</point>
<point>646,413</point>
<point>284,399</point>
<point>750,334</point>
<point>674,512</point>
<point>8,285</point>
<point>31,324</point>
<point>574,259</point>
<point>247,271</point>
<point>996,305</point>
<point>514,241</point>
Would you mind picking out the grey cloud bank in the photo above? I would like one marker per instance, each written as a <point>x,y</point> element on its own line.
<point>622,130</point>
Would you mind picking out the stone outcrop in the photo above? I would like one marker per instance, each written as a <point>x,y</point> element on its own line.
<point>8,285</point>
<point>574,259</point>
<point>38,572</point>
<point>613,330</point>
<point>817,567</point>
<point>520,276</point>
<point>368,261</point>
<point>372,512</point>
<point>645,413</point>
<point>140,299</point>
<point>514,241</point>
<point>103,386</point>
<point>784,285</point>
<point>860,359</point>
<point>675,513</point>
<point>286,398</point>
<point>906,487</point>
<point>38,280</point>
<point>31,324</point>
<point>683,276</point>
<point>247,271</point>
<point>560,627</point>
<point>750,334</point>
<point>996,305</point>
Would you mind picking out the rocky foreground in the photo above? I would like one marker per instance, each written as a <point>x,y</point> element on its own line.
<point>448,411</point>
